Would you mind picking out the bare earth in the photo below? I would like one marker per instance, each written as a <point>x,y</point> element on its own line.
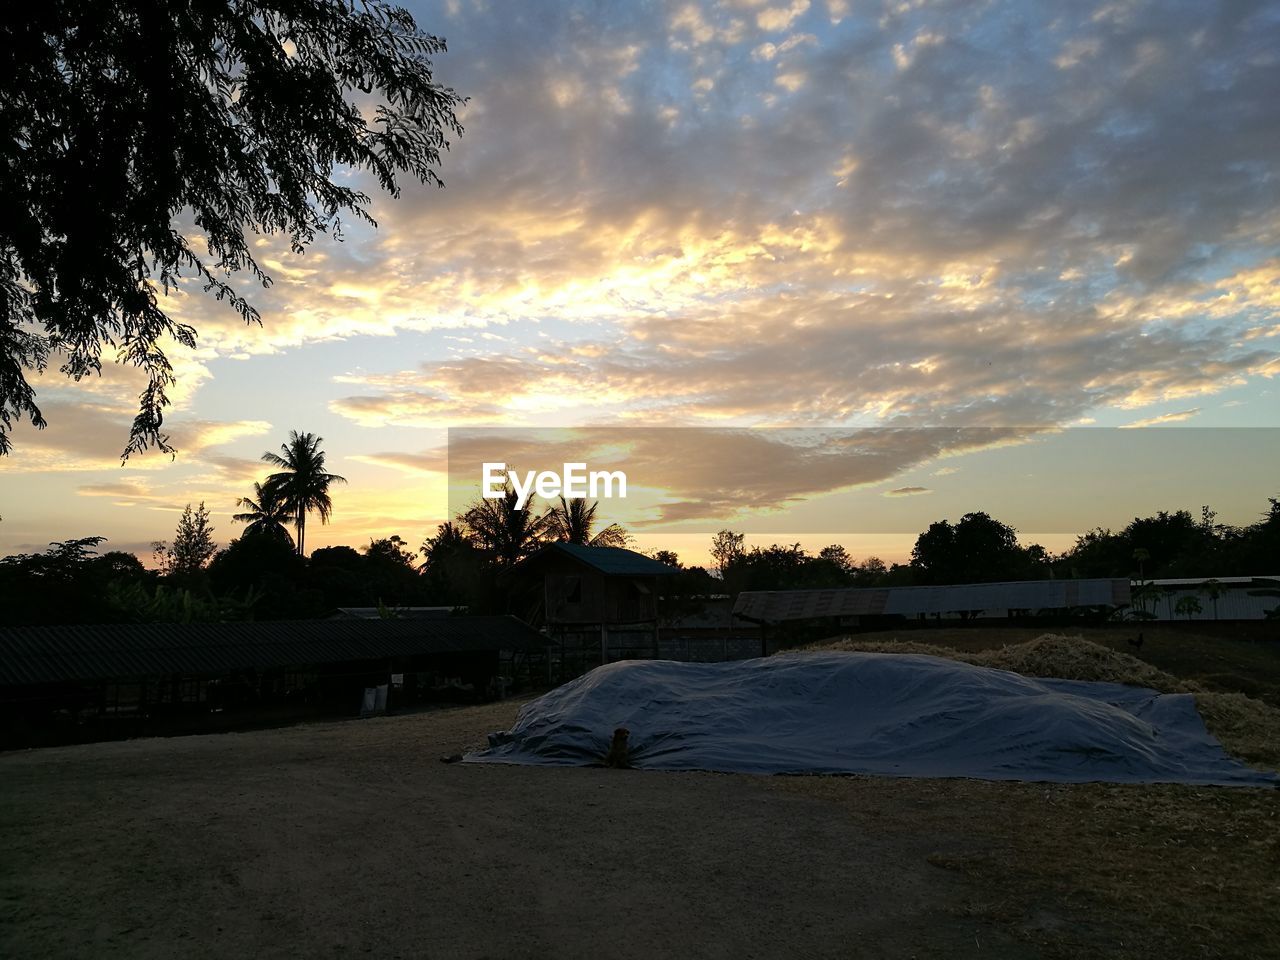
<point>347,839</point>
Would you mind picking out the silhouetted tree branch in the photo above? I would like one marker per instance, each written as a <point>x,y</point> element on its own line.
<point>123,117</point>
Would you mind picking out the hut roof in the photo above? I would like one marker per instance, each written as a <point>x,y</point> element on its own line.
<point>611,561</point>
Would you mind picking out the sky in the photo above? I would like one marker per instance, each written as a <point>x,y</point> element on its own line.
<point>1042,221</point>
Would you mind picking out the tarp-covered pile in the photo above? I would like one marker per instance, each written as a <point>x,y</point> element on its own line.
<point>878,713</point>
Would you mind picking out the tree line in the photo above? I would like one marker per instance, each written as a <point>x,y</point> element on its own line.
<point>468,561</point>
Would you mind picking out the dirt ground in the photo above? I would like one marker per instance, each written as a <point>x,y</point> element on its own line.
<point>352,839</point>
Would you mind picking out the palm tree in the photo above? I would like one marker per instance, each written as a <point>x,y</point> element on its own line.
<point>505,532</point>
<point>303,483</point>
<point>449,540</point>
<point>1141,556</point>
<point>266,513</point>
<point>1213,588</point>
<point>1139,596</point>
<point>1188,605</point>
<point>1144,590</point>
<point>571,522</point>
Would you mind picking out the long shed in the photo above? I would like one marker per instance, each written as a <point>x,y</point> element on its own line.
<point>155,675</point>
<point>989,599</point>
<point>1215,598</point>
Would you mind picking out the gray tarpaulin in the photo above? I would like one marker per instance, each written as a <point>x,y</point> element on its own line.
<point>878,713</point>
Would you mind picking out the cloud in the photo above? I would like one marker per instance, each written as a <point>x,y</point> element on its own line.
<point>906,491</point>
<point>1002,209</point>
<point>698,474</point>
<point>90,436</point>
<point>947,216</point>
<point>128,490</point>
<point>989,253</point>
<point>780,18</point>
<point>1163,418</point>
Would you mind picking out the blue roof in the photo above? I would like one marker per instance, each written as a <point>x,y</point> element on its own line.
<point>611,561</point>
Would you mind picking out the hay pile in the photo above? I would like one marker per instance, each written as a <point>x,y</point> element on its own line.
<point>1073,658</point>
<point>1247,728</point>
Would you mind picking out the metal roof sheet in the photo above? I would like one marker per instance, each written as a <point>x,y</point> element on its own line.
<point>1233,582</point>
<point>399,613</point>
<point>32,655</point>
<point>776,606</point>
<point>611,561</point>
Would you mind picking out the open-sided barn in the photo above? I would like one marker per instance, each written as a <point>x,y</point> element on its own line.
<point>852,605</point>
<point>1217,598</point>
<point>83,682</point>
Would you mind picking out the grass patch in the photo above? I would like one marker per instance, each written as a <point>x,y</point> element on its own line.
<point>1134,871</point>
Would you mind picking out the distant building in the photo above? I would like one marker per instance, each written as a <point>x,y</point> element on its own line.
<point>599,604</point>
<point>853,607</point>
<point>1237,598</point>
<point>705,629</point>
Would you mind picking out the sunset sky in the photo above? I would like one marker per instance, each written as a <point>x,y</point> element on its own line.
<point>821,214</point>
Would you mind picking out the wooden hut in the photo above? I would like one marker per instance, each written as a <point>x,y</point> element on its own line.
<point>599,604</point>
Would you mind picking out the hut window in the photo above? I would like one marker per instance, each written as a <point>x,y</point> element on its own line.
<point>573,593</point>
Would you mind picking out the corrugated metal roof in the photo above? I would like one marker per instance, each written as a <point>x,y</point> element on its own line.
<point>32,655</point>
<point>611,561</point>
<point>1255,582</point>
<point>398,613</point>
<point>776,606</point>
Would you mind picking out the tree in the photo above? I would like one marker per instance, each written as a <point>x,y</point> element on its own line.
<point>1187,605</point>
<point>303,485</point>
<point>134,128</point>
<point>335,578</point>
<point>452,567</point>
<point>1168,544</point>
<point>978,549</point>
<point>267,514</point>
<point>1213,589</point>
<point>1145,592</point>
<point>1140,557</point>
<point>1098,553</point>
<point>870,572</point>
<point>390,572</point>
<point>1171,544</point>
<point>836,553</point>
<point>118,565</point>
<point>570,521</point>
<point>390,550</point>
<point>449,539</point>
<point>68,583</point>
<point>727,547</point>
<point>264,572</point>
<point>505,532</point>
<point>193,544</point>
